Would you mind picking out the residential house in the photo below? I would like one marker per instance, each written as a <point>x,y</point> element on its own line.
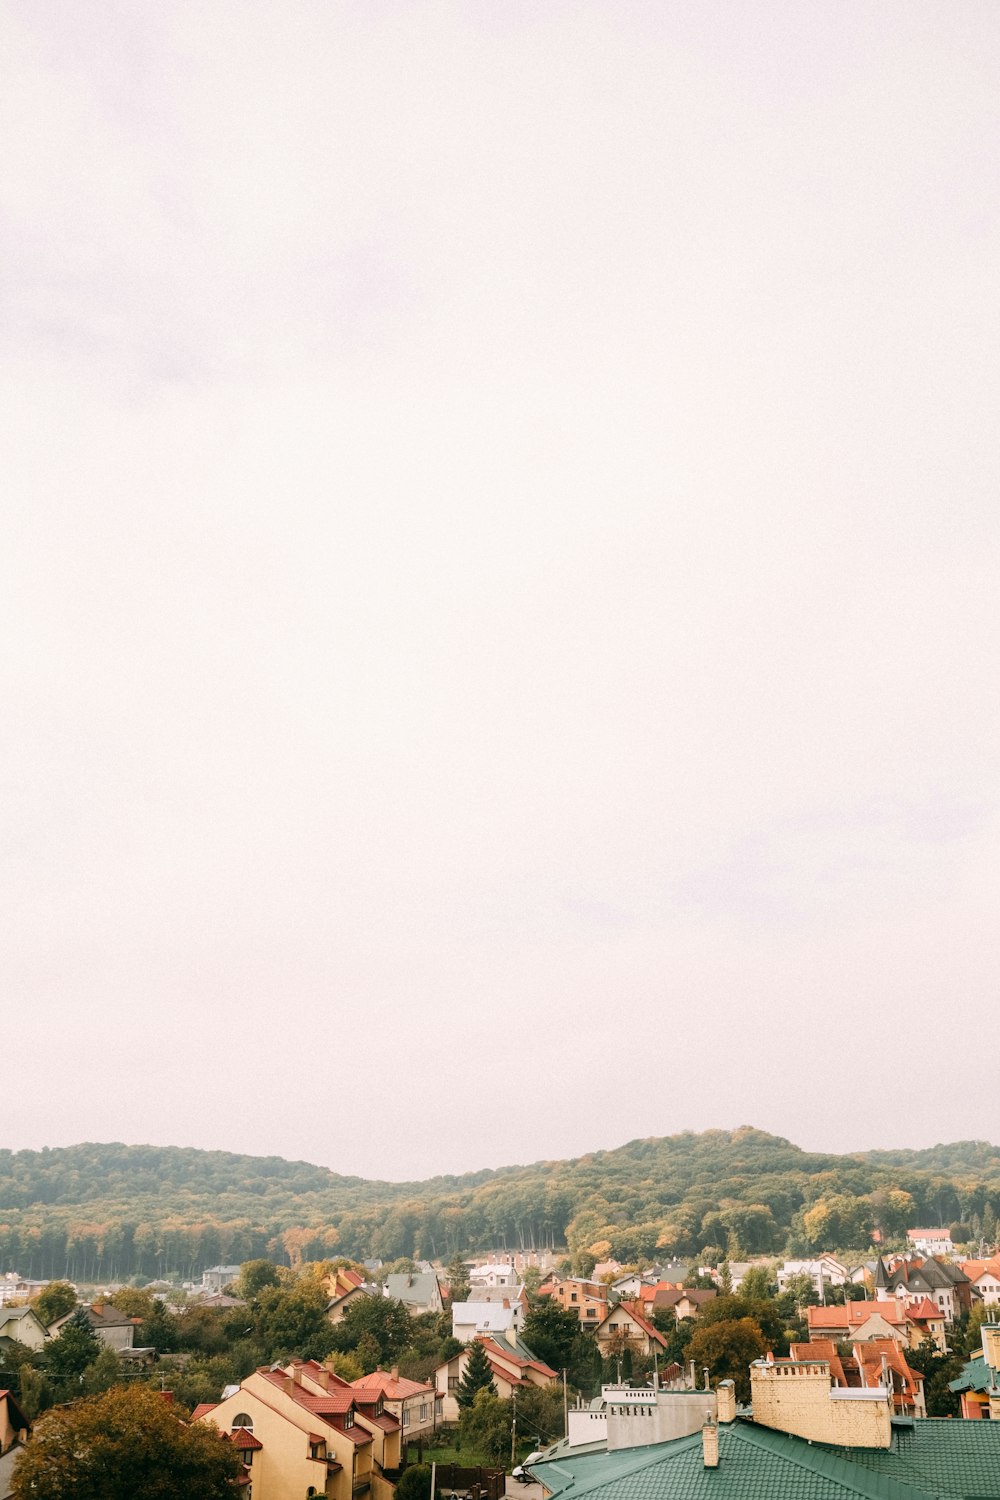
<point>14,1430</point>
<point>629,1416</point>
<point>930,1241</point>
<point>470,1319</point>
<point>412,1402</point>
<point>23,1325</point>
<point>419,1291</point>
<point>857,1322</point>
<point>627,1326</point>
<point>985,1278</point>
<point>494,1274</point>
<point>513,1365</point>
<point>588,1299</point>
<point>873,1364</point>
<point>302,1431</point>
<point>807,1441</point>
<point>114,1329</point>
<point>343,1287</point>
<point>825,1270</point>
<point>941,1280</point>
<point>686,1302</point>
<point>979,1383</point>
<point>17,1288</point>
<point>217,1278</point>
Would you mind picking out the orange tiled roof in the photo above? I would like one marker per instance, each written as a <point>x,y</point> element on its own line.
<point>919,1312</point>
<point>821,1349</point>
<point>393,1387</point>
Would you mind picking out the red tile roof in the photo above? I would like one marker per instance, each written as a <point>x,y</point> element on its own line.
<point>918,1312</point>
<point>821,1349</point>
<point>393,1387</point>
<point>853,1314</point>
<point>241,1438</point>
<point>200,1410</point>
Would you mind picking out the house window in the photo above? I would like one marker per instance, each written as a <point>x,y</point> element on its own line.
<point>423,1412</point>
<point>242,1420</point>
<point>453,1382</point>
<point>349,1418</point>
<point>406,1417</point>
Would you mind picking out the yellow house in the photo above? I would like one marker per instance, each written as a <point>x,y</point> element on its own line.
<point>302,1433</point>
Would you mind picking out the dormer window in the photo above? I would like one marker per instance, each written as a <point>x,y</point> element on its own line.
<point>349,1417</point>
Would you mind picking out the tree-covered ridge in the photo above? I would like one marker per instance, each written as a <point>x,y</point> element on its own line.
<point>103,1211</point>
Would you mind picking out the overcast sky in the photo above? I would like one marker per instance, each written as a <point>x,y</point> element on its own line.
<point>498,574</point>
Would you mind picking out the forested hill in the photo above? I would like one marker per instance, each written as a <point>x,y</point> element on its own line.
<point>114,1211</point>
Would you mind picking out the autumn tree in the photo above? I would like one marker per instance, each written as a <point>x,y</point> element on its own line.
<point>727,1349</point>
<point>122,1444</point>
<point>54,1301</point>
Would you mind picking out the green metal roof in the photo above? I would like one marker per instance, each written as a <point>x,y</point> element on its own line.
<point>936,1460</point>
<point>951,1458</point>
<point>976,1376</point>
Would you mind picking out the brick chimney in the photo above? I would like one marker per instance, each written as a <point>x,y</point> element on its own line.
<point>710,1443</point>
<point>726,1395</point>
<point>394,1372</point>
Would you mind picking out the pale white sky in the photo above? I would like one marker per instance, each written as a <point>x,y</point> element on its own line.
<point>498,577</point>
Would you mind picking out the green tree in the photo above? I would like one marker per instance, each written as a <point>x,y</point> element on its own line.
<point>384,1319</point>
<point>67,1356</point>
<point>756,1284</point>
<point>540,1412</point>
<point>160,1328</point>
<point>414,1483</point>
<point>727,1349</point>
<point>55,1301</point>
<point>477,1377</point>
<point>551,1332</point>
<point>292,1320</point>
<point>254,1276</point>
<point>102,1374</point>
<point>484,1427</point>
<point>457,1275</point>
<point>122,1444</point>
<point>34,1392</point>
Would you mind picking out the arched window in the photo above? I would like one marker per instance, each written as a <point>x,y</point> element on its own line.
<point>241,1419</point>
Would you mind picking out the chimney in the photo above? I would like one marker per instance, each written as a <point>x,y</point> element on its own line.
<point>692,1379</point>
<point>710,1443</point>
<point>726,1395</point>
<point>394,1372</point>
<point>506,1303</point>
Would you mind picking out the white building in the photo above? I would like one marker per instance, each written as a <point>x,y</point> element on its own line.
<point>471,1318</point>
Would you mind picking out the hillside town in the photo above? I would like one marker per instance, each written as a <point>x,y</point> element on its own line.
<point>520,1372</point>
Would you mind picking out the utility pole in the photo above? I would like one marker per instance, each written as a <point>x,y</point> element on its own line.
<point>565,1405</point>
<point>513,1427</point>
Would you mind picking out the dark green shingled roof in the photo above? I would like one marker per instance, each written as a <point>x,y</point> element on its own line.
<point>956,1459</point>
<point>944,1461</point>
<point>975,1376</point>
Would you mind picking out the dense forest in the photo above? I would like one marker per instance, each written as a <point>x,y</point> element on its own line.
<point>103,1212</point>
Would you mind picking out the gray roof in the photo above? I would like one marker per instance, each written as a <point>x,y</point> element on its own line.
<point>420,1287</point>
